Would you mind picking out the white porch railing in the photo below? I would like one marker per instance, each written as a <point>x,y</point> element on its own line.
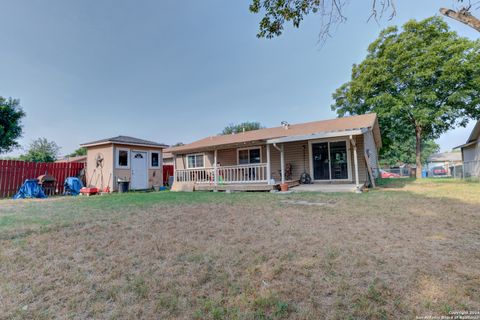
<point>250,173</point>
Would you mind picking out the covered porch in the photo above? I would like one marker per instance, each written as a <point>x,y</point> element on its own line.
<point>329,158</point>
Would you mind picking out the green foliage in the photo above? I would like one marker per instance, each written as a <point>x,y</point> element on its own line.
<point>278,12</point>
<point>82,151</point>
<point>11,115</point>
<point>244,126</point>
<point>41,150</point>
<point>421,81</point>
<point>178,144</point>
<point>404,151</point>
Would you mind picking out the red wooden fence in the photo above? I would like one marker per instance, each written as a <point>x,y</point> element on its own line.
<point>167,172</point>
<point>13,173</point>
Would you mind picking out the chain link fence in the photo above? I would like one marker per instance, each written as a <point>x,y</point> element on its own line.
<point>465,170</point>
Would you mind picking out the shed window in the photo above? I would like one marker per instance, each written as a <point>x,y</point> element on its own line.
<point>195,161</point>
<point>122,158</point>
<point>155,159</point>
<point>249,156</point>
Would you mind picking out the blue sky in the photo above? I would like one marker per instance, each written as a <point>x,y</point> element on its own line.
<point>173,71</point>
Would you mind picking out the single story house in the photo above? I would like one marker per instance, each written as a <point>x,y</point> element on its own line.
<point>447,160</point>
<point>343,150</point>
<point>124,158</point>
<point>471,153</point>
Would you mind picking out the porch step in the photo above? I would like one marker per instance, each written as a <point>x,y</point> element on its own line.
<point>235,187</point>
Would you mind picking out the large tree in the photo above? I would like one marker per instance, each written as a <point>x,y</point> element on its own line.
<point>82,151</point>
<point>244,126</point>
<point>11,115</point>
<point>41,150</point>
<point>278,13</point>
<point>421,82</point>
<point>403,152</point>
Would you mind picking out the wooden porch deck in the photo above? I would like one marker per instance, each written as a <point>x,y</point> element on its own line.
<point>243,186</point>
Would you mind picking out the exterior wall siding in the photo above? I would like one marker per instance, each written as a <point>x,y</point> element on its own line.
<point>371,150</point>
<point>98,177</point>
<point>472,152</point>
<point>362,166</point>
<point>154,175</point>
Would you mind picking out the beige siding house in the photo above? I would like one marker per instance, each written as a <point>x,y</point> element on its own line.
<point>471,153</point>
<point>124,158</point>
<point>343,150</point>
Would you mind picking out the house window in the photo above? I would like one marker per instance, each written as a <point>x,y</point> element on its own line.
<point>122,160</point>
<point>249,156</point>
<point>195,161</point>
<point>154,159</point>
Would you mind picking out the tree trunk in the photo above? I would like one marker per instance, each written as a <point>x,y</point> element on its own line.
<point>418,151</point>
<point>464,16</point>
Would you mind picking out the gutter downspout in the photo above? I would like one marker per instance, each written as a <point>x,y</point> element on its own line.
<point>282,161</point>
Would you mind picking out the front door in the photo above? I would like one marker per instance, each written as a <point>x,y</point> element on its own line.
<point>139,178</point>
<point>321,166</point>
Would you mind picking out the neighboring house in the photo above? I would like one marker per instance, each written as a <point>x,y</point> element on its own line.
<point>76,159</point>
<point>167,158</point>
<point>471,153</point>
<point>124,158</point>
<point>447,160</point>
<point>331,151</point>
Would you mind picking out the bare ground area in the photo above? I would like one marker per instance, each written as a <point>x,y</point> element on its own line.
<point>379,255</point>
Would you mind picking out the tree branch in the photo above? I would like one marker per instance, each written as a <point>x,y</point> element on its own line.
<point>464,16</point>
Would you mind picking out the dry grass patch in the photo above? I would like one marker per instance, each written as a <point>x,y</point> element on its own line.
<point>242,256</point>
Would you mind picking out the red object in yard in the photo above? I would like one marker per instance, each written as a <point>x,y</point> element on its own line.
<point>439,171</point>
<point>88,191</point>
<point>167,173</point>
<point>284,187</point>
<point>385,174</point>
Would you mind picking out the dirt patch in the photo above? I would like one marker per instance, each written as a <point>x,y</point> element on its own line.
<point>307,203</point>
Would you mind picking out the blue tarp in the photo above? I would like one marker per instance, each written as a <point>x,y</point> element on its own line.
<point>30,189</point>
<point>72,186</point>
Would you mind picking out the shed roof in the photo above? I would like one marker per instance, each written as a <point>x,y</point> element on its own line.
<point>262,135</point>
<point>125,140</point>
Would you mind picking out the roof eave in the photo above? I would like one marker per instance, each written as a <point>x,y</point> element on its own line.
<point>86,145</point>
<point>319,135</point>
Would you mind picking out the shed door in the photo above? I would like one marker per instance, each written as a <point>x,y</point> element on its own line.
<point>139,169</point>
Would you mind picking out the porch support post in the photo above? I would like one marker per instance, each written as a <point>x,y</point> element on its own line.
<point>174,167</point>
<point>355,160</point>
<point>215,175</point>
<point>282,162</point>
<point>269,172</point>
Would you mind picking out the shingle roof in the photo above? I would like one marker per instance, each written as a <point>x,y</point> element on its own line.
<point>332,125</point>
<point>125,140</point>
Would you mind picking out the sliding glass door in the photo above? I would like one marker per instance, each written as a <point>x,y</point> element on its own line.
<point>330,160</point>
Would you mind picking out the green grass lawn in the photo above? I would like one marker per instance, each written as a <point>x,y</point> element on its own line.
<point>406,249</point>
